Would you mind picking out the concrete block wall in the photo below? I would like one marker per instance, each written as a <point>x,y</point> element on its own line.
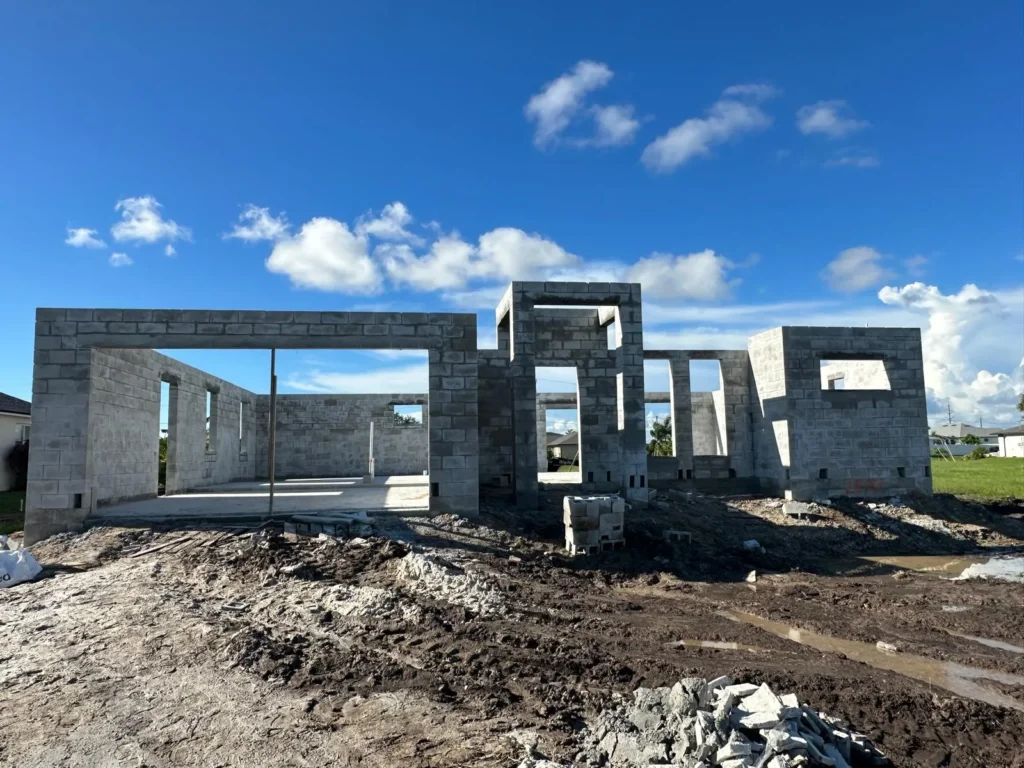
<point>715,424</point>
<point>856,442</point>
<point>770,415</point>
<point>494,400</point>
<point>329,436</point>
<point>61,384</point>
<point>613,451</point>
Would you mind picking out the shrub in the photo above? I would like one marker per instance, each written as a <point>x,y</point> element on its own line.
<point>971,440</point>
<point>978,453</point>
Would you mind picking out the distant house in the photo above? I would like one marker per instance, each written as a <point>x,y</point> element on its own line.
<point>1011,443</point>
<point>564,446</point>
<point>15,425</point>
<point>952,435</point>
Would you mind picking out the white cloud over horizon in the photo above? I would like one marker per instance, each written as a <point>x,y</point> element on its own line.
<point>120,260</point>
<point>736,112</point>
<point>326,255</point>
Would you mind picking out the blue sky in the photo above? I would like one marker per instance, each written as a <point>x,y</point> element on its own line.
<point>751,165</point>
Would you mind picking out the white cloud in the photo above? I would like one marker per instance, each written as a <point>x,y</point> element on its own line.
<point>701,275</point>
<point>560,100</point>
<point>169,250</point>
<point>327,256</point>
<point>733,115</point>
<point>141,222</point>
<point>562,426</point>
<point>828,117</point>
<point>255,224</point>
<point>753,91</point>
<point>730,314</point>
<point>84,238</point>
<point>450,263</point>
<point>915,265</point>
<point>516,255</point>
<point>856,269</point>
<point>852,157</point>
<point>503,254</point>
<point>120,260</point>
<point>411,379</point>
<point>615,125</point>
<point>959,335</point>
<point>390,225</point>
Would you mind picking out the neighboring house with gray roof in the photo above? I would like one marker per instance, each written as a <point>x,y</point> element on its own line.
<point>15,424</point>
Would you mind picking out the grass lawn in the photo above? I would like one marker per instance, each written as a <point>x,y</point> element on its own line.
<point>991,478</point>
<point>11,518</point>
<point>569,468</point>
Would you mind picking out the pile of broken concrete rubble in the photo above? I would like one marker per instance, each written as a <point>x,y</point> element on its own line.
<point>702,723</point>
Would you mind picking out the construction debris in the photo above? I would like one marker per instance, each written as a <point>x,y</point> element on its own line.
<point>17,566</point>
<point>432,576</point>
<point>593,523</point>
<point>699,723</point>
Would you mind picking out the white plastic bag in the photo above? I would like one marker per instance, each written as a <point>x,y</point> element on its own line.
<point>17,566</point>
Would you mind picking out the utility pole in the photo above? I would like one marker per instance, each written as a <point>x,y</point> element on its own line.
<point>949,410</point>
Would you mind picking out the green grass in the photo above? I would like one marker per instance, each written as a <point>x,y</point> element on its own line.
<point>11,518</point>
<point>985,479</point>
<point>569,468</point>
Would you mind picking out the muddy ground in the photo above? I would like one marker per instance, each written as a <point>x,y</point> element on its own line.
<point>240,647</point>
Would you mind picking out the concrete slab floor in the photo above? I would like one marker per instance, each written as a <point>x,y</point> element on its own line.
<point>559,477</point>
<point>250,499</point>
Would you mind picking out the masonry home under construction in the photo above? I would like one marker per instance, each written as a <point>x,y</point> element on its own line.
<point>804,411</point>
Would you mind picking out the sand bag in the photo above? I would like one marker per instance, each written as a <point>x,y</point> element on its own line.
<point>17,566</point>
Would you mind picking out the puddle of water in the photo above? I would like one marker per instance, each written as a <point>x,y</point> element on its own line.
<point>957,678</point>
<point>990,643</point>
<point>928,563</point>
<point>718,645</point>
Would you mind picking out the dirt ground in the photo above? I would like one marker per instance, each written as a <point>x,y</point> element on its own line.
<point>240,648</point>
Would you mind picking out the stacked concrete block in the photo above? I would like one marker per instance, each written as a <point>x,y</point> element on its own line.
<point>593,523</point>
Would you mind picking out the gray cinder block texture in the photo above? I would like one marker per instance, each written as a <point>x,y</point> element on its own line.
<point>778,418</point>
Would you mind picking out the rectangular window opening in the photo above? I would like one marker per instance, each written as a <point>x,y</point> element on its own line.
<point>823,474</point>
<point>643,479</point>
<point>77,501</point>
<point>732,472</point>
<point>609,476</point>
<point>901,471</point>
<point>435,489</point>
<point>707,408</point>
<point>632,481</point>
<point>854,374</point>
<point>689,474</point>
<point>658,409</point>
<point>590,477</point>
<point>559,418</point>
<point>927,471</point>
<point>408,415</point>
<point>680,477</point>
<point>163,438</point>
<point>212,399</point>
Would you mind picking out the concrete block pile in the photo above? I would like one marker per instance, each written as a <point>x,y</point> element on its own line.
<point>702,723</point>
<point>593,523</point>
